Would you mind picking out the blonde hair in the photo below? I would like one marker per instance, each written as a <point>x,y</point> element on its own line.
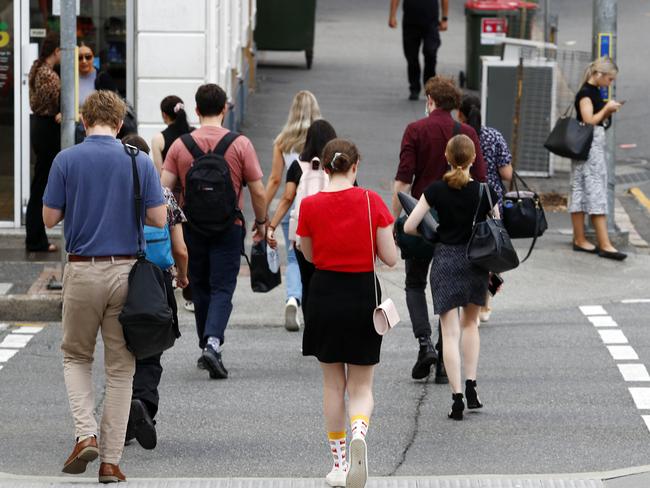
<point>604,65</point>
<point>460,153</point>
<point>304,110</point>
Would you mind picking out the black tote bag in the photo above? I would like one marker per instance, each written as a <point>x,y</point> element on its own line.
<point>263,279</point>
<point>570,138</point>
<point>523,214</point>
<point>490,247</point>
<point>146,317</point>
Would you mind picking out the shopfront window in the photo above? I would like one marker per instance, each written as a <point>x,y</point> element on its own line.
<point>7,127</point>
<point>101,25</point>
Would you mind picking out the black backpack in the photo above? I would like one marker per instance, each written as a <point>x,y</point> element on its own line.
<point>211,204</point>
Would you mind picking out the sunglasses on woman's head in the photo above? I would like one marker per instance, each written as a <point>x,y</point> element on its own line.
<point>87,57</point>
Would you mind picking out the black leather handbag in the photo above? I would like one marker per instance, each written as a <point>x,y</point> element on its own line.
<point>262,278</point>
<point>490,247</point>
<point>523,215</point>
<point>146,317</point>
<point>570,138</point>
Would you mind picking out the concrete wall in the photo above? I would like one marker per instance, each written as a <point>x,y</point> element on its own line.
<point>181,45</point>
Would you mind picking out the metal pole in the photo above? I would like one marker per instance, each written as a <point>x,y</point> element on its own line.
<point>604,22</point>
<point>68,76</point>
<point>547,23</point>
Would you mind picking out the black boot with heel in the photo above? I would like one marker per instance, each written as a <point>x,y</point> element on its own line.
<point>457,407</point>
<point>473,400</point>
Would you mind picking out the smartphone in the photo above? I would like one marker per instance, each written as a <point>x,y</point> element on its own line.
<point>495,282</point>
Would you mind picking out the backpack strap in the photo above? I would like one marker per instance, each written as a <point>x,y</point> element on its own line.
<point>225,143</point>
<point>456,130</point>
<point>192,146</point>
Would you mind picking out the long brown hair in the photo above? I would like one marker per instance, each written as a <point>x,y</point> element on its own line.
<point>460,154</point>
<point>50,44</point>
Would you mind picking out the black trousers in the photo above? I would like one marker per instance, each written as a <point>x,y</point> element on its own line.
<point>46,142</point>
<point>148,371</point>
<point>428,36</point>
<point>417,275</point>
<point>306,272</point>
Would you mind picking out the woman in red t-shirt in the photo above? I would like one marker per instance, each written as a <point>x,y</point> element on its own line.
<point>335,234</point>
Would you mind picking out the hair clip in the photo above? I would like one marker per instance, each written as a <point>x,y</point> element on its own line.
<point>178,107</point>
<point>336,156</point>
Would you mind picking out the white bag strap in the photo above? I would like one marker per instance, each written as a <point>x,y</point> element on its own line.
<point>372,251</point>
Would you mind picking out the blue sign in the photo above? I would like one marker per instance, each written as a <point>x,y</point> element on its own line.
<point>605,49</point>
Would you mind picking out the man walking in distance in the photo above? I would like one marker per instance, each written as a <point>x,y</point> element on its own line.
<point>421,25</point>
<point>214,257</point>
<point>421,162</point>
<point>91,185</point>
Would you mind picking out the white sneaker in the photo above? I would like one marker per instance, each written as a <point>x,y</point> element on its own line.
<point>484,314</point>
<point>358,464</point>
<point>336,477</point>
<point>291,322</point>
<point>189,306</point>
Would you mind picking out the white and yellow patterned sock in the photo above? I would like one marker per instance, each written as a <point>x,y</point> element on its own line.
<point>338,448</point>
<point>359,425</point>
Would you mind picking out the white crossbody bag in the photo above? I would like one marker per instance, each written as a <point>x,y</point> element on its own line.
<point>385,316</point>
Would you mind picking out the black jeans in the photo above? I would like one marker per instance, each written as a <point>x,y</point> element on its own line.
<point>414,35</point>
<point>306,272</point>
<point>46,142</point>
<point>417,274</point>
<point>149,370</point>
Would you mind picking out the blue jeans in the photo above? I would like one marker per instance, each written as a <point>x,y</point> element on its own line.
<point>213,269</point>
<point>292,273</point>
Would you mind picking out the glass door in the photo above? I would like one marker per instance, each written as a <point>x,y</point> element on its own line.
<point>8,113</point>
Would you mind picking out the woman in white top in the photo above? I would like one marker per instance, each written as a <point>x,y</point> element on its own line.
<point>286,148</point>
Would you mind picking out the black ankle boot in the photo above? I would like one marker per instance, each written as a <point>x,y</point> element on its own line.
<point>473,400</point>
<point>457,407</point>
<point>441,373</point>
<point>427,356</point>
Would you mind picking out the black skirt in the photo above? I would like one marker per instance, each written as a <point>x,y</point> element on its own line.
<point>338,325</point>
<point>455,281</point>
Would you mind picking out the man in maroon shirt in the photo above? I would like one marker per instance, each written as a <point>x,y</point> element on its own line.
<point>421,162</point>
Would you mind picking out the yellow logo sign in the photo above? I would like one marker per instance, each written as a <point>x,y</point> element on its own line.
<point>4,36</point>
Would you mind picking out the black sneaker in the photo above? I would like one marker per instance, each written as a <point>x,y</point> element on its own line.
<point>414,95</point>
<point>130,432</point>
<point>441,373</point>
<point>427,356</point>
<point>212,362</point>
<point>144,427</point>
<point>199,363</point>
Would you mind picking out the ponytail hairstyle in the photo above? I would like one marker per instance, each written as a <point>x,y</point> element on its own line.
<point>339,155</point>
<point>50,44</point>
<point>604,65</point>
<point>460,154</point>
<point>174,108</point>
<point>470,107</point>
<point>319,133</point>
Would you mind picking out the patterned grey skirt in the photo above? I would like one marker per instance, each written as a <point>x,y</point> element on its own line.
<point>589,179</point>
<point>455,281</point>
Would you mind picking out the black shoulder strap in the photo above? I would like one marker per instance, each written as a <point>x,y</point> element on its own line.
<point>225,143</point>
<point>456,128</point>
<point>133,151</point>
<point>192,146</point>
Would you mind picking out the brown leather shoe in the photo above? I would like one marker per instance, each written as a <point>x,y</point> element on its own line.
<point>110,473</point>
<point>83,453</point>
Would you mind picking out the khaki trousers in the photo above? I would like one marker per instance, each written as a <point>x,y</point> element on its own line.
<point>93,296</point>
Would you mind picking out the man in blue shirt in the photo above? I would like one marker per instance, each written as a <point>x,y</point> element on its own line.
<point>91,185</point>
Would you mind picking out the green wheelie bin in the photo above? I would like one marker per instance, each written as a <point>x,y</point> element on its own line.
<point>286,25</point>
<point>486,21</point>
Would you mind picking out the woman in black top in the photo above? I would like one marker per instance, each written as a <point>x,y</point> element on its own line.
<point>320,132</point>
<point>589,178</point>
<point>459,288</point>
<point>173,114</point>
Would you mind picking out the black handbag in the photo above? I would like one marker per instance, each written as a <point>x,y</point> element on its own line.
<point>262,278</point>
<point>412,247</point>
<point>570,138</point>
<point>146,317</point>
<point>490,247</point>
<point>523,215</point>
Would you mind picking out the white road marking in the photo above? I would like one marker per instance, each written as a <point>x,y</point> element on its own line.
<point>641,397</point>
<point>7,354</point>
<point>634,372</point>
<point>613,336</point>
<point>5,287</point>
<point>622,352</point>
<point>16,341</point>
<point>3,327</point>
<point>646,419</point>
<point>25,329</point>
<point>602,321</point>
<point>636,300</point>
<point>593,310</point>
